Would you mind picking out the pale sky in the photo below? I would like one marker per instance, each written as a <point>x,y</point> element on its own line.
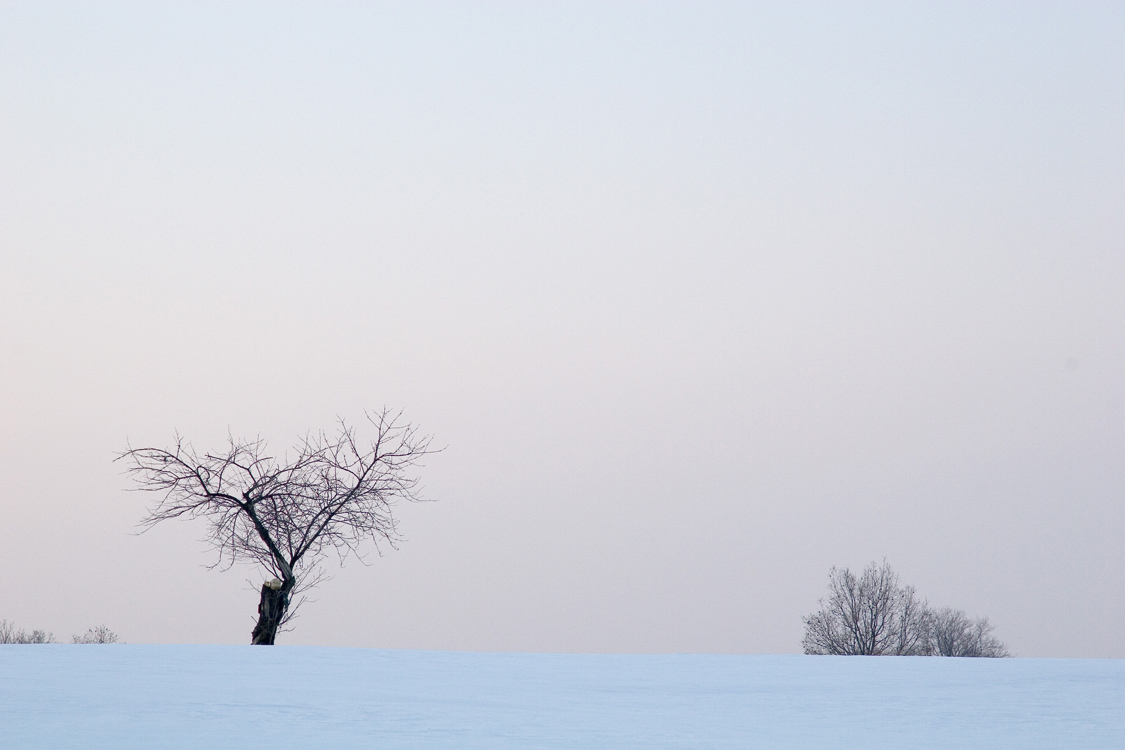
<point>702,300</point>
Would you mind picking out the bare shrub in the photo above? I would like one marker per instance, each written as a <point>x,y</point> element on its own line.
<point>9,634</point>
<point>99,634</point>
<point>955,634</point>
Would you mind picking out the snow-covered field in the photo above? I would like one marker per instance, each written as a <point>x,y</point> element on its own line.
<point>244,697</point>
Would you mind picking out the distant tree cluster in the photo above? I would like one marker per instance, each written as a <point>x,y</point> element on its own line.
<point>9,634</point>
<point>873,614</point>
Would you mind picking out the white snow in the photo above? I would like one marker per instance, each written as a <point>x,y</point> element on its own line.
<point>131,696</point>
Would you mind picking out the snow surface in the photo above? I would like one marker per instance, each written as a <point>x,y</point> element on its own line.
<point>130,696</point>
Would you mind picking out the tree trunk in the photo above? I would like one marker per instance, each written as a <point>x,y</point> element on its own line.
<point>271,612</point>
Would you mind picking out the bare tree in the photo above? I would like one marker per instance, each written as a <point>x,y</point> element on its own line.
<point>873,614</point>
<point>869,614</point>
<point>287,515</point>
<point>954,634</point>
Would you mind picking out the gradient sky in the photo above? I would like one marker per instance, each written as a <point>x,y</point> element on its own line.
<point>702,300</point>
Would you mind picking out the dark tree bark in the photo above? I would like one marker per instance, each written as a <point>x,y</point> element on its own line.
<point>272,608</point>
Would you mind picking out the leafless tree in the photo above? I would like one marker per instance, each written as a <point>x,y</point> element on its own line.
<point>99,634</point>
<point>873,614</point>
<point>287,515</point>
<point>10,635</point>
<point>954,634</point>
<point>869,614</point>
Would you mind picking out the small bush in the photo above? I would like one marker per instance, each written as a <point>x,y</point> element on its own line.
<point>955,634</point>
<point>100,634</point>
<point>9,634</point>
